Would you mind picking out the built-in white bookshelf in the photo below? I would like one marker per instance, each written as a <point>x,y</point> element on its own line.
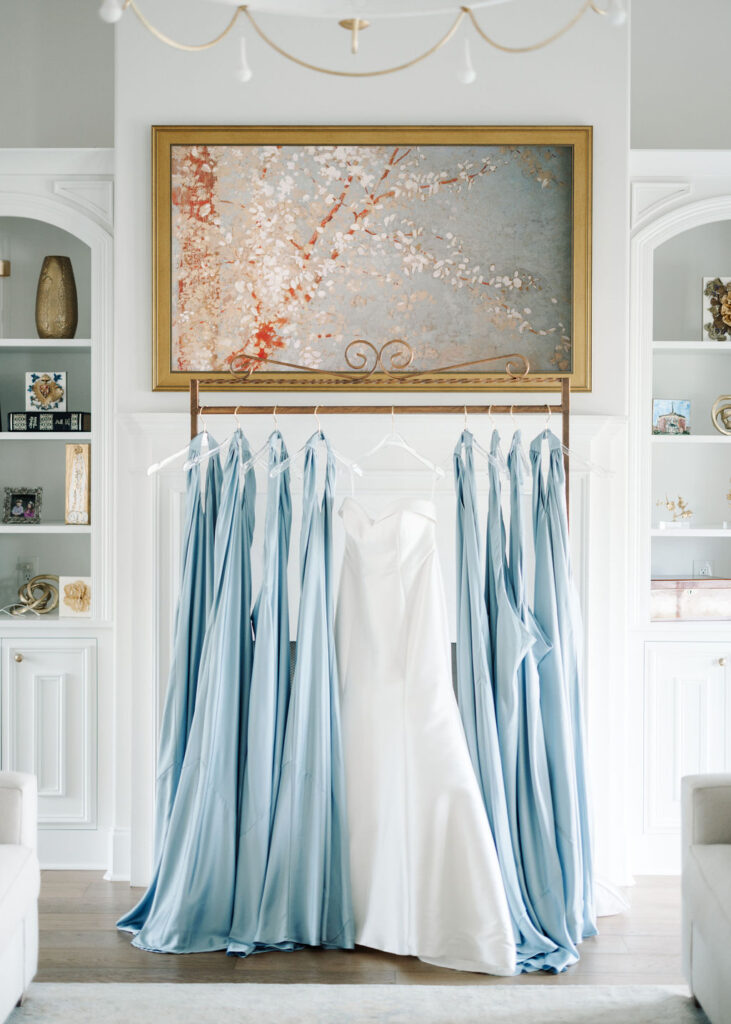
<point>680,660</point>
<point>57,669</point>
<point>43,214</point>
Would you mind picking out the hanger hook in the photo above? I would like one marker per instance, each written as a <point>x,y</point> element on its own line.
<point>489,416</point>
<point>274,416</point>
<point>317,418</point>
<point>236,417</point>
<point>203,421</point>
<point>549,413</point>
<point>512,418</point>
<point>465,417</point>
<point>393,421</point>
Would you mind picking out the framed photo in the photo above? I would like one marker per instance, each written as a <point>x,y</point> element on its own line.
<point>78,484</point>
<point>466,244</point>
<point>670,416</point>
<point>74,597</point>
<point>717,308</point>
<point>45,391</point>
<point>23,505</point>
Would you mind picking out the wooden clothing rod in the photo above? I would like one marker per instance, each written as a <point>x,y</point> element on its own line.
<point>563,409</point>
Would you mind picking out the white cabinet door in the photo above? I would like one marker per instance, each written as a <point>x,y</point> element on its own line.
<point>48,718</point>
<point>687,730</point>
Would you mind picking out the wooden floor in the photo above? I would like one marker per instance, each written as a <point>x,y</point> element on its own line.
<point>78,942</point>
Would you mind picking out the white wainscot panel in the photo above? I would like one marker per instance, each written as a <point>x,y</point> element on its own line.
<point>687,712</point>
<point>49,725</point>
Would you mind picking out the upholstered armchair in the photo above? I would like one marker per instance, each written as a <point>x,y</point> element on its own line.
<point>19,887</point>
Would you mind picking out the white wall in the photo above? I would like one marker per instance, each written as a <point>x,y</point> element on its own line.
<point>56,74</point>
<point>680,51</point>
<point>557,86</point>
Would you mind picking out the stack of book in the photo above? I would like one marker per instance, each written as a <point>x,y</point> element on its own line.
<point>33,422</point>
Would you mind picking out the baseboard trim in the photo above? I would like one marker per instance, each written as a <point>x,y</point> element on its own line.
<point>119,861</point>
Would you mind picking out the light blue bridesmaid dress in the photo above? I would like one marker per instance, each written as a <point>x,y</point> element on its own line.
<point>193,901</point>
<point>556,613</point>
<point>194,601</point>
<point>477,699</point>
<point>306,900</point>
<point>537,829</point>
<point>268,702</point>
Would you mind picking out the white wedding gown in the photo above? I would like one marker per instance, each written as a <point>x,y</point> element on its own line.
<point>425,876</point>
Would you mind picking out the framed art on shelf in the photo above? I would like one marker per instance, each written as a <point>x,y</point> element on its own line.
<point>670,416</point>
<point>74,597</point>
<point>45,391</point>
<point>22,506</point>
<point>717,308</point>
<point>78,461</point>
<point>276,248</point>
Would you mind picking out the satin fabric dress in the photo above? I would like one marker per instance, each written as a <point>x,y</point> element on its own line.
<point>486,684</point>
<point>268,702</point>
<point>194,601</point>
<point>555,609</point>
<point>533,811</point>
<point>426,878</point>
<point>306,898</point>
<point>193,902</point>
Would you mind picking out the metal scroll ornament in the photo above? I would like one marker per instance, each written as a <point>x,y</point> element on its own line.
<point>39,594</point>
<point>721,414</point>
<point>365,359</point>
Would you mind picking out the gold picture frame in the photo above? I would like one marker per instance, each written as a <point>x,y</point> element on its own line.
<point>577,141</point>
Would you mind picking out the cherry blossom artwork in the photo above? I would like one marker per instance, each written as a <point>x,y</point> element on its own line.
<point>293,251</point>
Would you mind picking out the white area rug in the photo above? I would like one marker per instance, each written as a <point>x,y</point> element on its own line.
<point>356,1004</point>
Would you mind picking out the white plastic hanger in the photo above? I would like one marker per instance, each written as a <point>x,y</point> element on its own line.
<point>196,460</point>
<point>263,452</point>
<point>591,467</point>
<point>524,460</point>
<point>395,440</point>
<point>501,460</point>
<point>157,466</point>
<point>351,466</point>
<point>477,447</point>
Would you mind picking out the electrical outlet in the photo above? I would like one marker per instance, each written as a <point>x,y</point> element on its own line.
<point>702,567</point>
<point>26,569</point>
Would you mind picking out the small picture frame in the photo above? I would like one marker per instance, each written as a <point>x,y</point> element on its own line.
<point>78,463</point>
<point>74,597</point>
<point>45,391</point>
<point>22,506</point>
<point>670,416</point>
<point>717,308</point>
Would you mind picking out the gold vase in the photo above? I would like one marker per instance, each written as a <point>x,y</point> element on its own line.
<point>57,309</point>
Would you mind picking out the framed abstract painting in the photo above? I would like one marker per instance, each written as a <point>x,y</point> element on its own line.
<point>274,249</point>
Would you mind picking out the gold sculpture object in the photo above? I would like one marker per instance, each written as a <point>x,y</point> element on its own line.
<point>679,508</point>
<point>57,308</point>
<point>721,414</point>
<point>39,594</point>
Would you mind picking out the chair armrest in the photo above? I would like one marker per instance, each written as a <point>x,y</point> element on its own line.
<point>18,809</point>
<point>706,809</point>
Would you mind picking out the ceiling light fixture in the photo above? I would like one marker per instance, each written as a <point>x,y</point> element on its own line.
<point>348,15</point>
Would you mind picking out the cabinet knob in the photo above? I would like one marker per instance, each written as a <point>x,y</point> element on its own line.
<point>18,657</point>
<point>722,662</point>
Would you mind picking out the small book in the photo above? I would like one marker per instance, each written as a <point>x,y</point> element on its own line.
<point>34,422</point>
